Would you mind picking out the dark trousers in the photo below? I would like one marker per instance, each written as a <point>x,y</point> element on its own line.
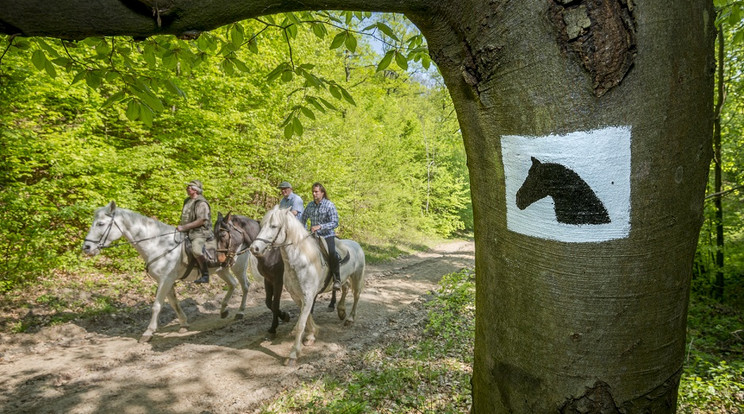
<point>332,258</point>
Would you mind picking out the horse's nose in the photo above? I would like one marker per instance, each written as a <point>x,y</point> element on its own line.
<point>254,249</point>
<point>88,249</point>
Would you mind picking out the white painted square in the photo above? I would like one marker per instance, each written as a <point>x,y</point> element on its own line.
<point>600,157</point>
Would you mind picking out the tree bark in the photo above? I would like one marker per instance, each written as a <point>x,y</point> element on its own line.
<point>571,316</point>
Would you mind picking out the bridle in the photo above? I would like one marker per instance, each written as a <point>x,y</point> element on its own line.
<point>231,253</point>
<point>101,243</point>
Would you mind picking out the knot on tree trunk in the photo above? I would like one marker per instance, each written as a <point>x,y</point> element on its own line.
<point>601,33</point>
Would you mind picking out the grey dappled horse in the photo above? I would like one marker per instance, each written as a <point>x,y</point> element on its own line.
<point>306,271</point>
<point>161,247</point>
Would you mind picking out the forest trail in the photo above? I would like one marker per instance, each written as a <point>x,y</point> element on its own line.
<point>219,365</point>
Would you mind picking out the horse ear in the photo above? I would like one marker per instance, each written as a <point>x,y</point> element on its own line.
<point>228,216</point>
<point>112,206</point>
<point>219,216</point>
<point>535,161</point>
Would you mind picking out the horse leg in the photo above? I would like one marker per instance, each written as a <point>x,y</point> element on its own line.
<point>357,284</point>
<point>269,287</point>
<point>333,301</point>
<point>342,302</point>
<point>278,286</point>
<point>241,272</point>
<point>164,289</point>
<point>302,321</point>
<point>182,320</point>
<point>231,283</point>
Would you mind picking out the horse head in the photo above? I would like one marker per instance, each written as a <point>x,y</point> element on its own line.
<point>229,239</point>
<point>273,231</point>
<point>531,190</point>
<point>103,231</point>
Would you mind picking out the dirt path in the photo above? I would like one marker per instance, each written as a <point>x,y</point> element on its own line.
<point>220,365</point>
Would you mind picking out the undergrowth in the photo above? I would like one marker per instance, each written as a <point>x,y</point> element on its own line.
<point>426,371</point>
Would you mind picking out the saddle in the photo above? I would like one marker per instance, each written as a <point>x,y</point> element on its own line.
<point>209,251</point>
<point>342,253</point>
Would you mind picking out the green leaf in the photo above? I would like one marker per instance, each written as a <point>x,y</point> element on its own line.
<point>385,61</point>
<point>39,59</point>
<point>401,60</point>
<point>288,130</point>
<point>338,40</point>
<point>307,112</point>
<point>335,92</point>
<point>49,67</point>
<point>47,48</point>
<point>314,102</point>
<point>79,76</point>
<point>351,43</point>
<point>240,65</point>
<point>93,78</point>
<point>347,96</point>
<point>146,115</point>
<point>292,18</point>
<point>387,30</point>
<point>297,126</point>
<point>133,110</point>
<point>287,75</point>
<point>327,104</point>
<point>152,101</point>
<point>253,46</point>
<point>228,67</point>
<point>236,35</point>
<point>319,30</point>
<point>173,88</point>
<point>113,98</point>
<point>291,31</point>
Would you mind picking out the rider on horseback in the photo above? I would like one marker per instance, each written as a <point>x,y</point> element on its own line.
<point>323,218</point>
<point>196,219</point>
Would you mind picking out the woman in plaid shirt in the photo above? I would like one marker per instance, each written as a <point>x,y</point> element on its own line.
<point>323,219</point>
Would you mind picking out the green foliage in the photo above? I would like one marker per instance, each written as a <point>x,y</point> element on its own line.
<point>713,379</point>
<point>117,119</point>
<point>732,156</point>
<point>430,373</point>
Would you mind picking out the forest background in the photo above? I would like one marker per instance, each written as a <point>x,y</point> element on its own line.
<point>347,99</point>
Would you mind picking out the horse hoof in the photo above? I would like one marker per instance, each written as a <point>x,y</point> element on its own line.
<point>224,314</point>
<point>145,339</point>
<point>239,316</point>
<point>286,317</point>
<point>331,308</point>
<point>342,315</point>
<point>183,329</point>
<point>308,342</point>
<point>290,362</point>
<point>348,322</point>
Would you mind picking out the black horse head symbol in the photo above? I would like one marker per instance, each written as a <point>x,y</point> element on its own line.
<point>575,202</point>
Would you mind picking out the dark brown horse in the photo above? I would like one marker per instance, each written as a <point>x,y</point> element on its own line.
<point>234,234</point>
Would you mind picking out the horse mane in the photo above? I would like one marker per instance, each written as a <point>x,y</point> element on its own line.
<point>133,214</point>
<point>295,231</point>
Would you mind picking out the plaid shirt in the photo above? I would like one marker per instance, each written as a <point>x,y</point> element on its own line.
<point>323,214</point>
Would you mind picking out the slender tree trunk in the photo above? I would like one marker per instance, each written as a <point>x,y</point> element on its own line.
<point>719,283</point>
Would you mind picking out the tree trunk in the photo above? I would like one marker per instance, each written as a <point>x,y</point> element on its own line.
<point>583,269</point>
<point>718,285</point>
<point>575,316</point>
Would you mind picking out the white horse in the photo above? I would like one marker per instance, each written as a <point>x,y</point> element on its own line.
<point>161,247</point>
<point>306,271</point>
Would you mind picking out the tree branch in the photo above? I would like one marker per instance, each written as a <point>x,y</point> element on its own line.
<point>78,19</point>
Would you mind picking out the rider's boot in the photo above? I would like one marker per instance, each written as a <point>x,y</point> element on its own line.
<point>336,281</point>
<point>202,261</point>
